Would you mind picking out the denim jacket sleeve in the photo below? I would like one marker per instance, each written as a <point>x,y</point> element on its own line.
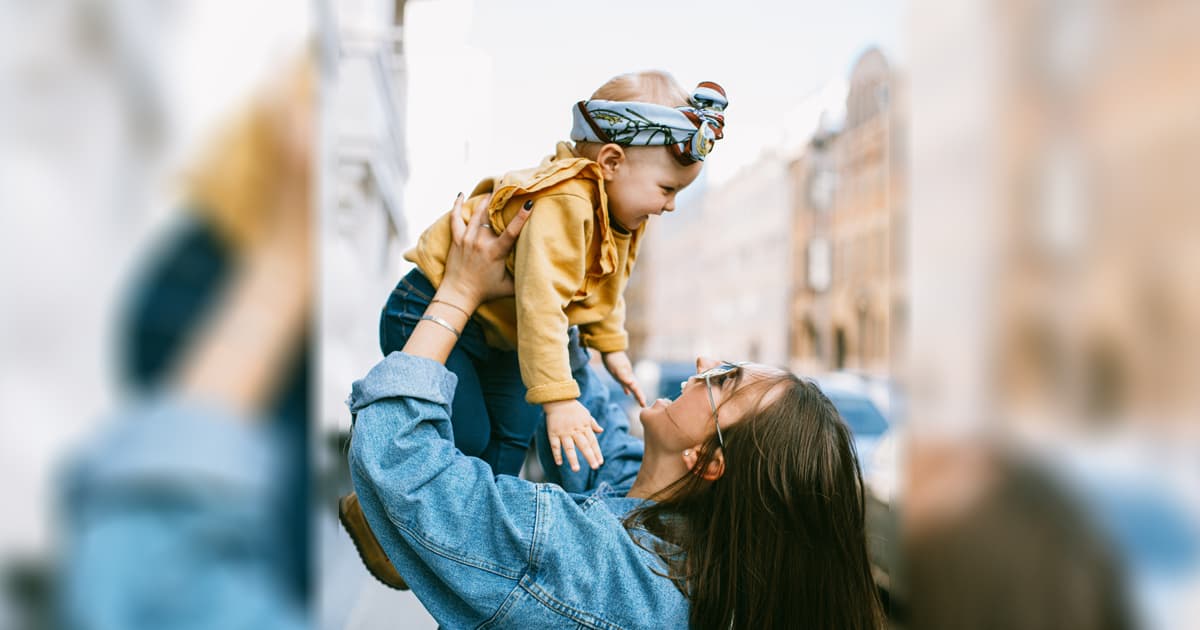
<point>490,551</point>
<point>408,474</point>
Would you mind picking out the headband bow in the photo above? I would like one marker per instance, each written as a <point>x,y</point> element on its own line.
<point>690,132</point>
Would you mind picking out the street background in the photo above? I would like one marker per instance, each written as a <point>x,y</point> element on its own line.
<point>974,222</point>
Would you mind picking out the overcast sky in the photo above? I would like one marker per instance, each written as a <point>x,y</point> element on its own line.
<point>491,83</point>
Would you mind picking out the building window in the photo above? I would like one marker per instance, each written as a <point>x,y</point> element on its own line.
<point>813,339</point>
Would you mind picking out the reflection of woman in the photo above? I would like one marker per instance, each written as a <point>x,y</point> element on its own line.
<point>742,508</point>
<point>189,511</point>
<point>994,540</point>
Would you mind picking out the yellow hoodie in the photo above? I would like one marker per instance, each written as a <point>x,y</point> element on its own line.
<point>569,265</point>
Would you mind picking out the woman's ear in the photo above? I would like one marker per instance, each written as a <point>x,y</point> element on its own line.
<point>713,470</point>
<point>611,158</point>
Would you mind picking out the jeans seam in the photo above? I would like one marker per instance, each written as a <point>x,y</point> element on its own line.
<point>409,287</point>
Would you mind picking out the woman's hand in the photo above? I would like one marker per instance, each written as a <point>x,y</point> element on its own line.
<point>475,270</point>
<point>475,273</point>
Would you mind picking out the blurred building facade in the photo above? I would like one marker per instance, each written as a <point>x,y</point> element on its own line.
<point>798,260</point>
<point>1057,197</point>
<point>744,279</point>
<point>1097,144</point>
<point>362,171</point>
<point>714,277</point>
<point>662,298</point>
<point>848,229</point>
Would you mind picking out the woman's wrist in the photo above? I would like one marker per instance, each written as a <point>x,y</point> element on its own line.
<point>458,299</point>
<point>437,332</point>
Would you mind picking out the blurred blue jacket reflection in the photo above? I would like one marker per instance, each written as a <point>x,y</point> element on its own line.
<point>179,513</point>
<point>173,520</point>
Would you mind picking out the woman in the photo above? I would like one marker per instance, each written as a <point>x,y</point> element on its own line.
<point>742,508</point>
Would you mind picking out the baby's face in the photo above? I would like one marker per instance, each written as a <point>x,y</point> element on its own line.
<point>646,183</point>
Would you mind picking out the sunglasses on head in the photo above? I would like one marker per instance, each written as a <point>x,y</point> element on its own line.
<point>716,373</point>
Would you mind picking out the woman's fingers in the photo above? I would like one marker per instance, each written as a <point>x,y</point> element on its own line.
<point>510,233</point>
<point>477,218</point>
<point>457,229</point>
<point>556,449</point>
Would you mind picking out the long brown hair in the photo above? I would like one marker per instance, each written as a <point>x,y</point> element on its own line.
<point>778,541</point>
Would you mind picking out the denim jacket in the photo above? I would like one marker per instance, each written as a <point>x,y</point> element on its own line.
<point>484,551</point>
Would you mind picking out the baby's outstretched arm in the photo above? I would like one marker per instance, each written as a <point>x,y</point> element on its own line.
<point>619,366</point>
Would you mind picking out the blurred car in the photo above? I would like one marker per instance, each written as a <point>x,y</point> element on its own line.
<point>882,391</point>
<point>669,376</point>
<point>861,414</point>
<point>876,441</point>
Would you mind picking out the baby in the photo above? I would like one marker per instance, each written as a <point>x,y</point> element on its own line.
<point>638,142</point>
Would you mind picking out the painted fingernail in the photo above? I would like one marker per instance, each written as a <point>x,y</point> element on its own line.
<point>528,205</point>
<point>460,195</point>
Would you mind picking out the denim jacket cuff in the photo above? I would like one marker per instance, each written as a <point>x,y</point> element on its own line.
<point>402,375</point>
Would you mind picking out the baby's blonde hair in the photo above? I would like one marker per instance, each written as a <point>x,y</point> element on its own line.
<point>647,86</point>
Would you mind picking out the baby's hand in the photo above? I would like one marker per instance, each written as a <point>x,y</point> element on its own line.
<point>621,369</point>
<point>570,426</point>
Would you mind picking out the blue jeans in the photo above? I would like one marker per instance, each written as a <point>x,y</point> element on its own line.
<point>491,419</point>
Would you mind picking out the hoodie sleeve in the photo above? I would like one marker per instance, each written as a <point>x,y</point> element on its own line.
<point>549,268</point>
<point>608,334</point>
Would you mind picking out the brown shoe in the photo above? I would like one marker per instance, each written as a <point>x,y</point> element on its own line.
<point>377,563</point>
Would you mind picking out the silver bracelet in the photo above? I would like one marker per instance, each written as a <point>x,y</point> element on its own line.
<point>441,322</point>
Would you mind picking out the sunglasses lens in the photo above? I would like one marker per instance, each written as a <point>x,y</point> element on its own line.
<point>713,374</point>
<point>723,370</point>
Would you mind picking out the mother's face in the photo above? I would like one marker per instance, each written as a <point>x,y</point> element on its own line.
<point>688,421</point>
